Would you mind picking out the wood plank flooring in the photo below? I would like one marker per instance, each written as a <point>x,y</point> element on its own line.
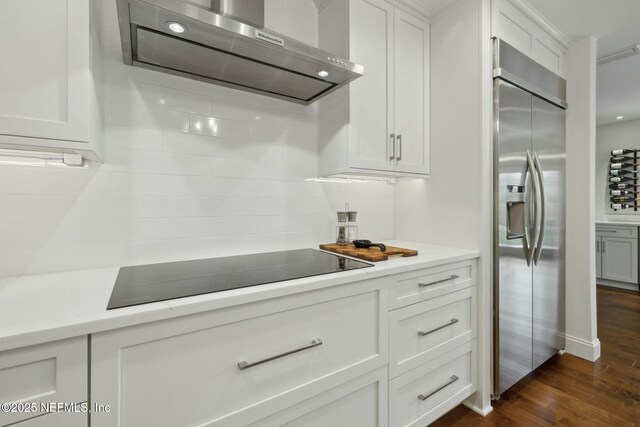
<point>569,391</point>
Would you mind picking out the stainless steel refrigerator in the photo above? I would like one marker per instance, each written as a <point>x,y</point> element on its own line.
<point>529,215</point>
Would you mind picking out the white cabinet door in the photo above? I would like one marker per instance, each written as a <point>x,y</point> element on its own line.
<point>45,72</point>
<point>598,257</point>
<point>371,117</point>
<point>619,259</point>
<point>411,101</point>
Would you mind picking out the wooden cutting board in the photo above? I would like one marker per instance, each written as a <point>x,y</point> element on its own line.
<point>371,254</point>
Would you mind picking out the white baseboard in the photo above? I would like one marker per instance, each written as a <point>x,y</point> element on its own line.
<point>582,348</point>
<point>484,412</point>
<point>619,285</point>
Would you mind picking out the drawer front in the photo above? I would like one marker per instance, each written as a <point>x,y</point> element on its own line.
<point>359,403</point>
<point>188,371</point>
<point>52,372</point>
<point>613,231</point>
<point>424,394</point>
<point>423,331</point>
<point>58,419</point>
<point>421,285</point>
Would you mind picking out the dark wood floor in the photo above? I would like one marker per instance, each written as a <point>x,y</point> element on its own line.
<point>569,391</point>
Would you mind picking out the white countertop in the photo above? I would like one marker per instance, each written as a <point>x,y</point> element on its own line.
<point>618,223</point>
<point>47,307</point>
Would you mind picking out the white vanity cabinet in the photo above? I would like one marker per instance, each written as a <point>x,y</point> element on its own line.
<point>379,124</point>
<point>39,375</point>
<point>237,366</point>
<point>50,78</point>
<point>617,255</point>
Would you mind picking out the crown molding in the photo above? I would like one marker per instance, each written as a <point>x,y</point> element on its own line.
<point>415,7</point>
<point>531,13</point>
<point>320,4</point>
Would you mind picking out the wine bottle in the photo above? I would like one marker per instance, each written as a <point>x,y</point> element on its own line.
<point>620,179</point>
<point>619,172</point>
<point>622,206</point>
<point>622,151</point>
<point>618,159</point>
<point>624,199</point>
<point>622,186</point>
<point>622,192</point>
<point>623,165</point>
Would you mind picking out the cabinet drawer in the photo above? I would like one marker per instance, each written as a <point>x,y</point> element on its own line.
<point>360,402</point>
<point>58,419</point>
<point>423,331</point>
<point>424,394</point>
<point>622,231</point>
<point>204,369</point>
<point>52,372</point>
<point>420,285</point>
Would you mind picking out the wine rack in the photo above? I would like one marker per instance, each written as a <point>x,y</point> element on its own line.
<point>623,177</point>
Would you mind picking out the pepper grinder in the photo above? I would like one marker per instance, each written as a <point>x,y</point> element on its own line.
<point>348,232</point>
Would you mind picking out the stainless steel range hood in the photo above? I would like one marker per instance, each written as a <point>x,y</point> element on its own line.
<point>226,45</point>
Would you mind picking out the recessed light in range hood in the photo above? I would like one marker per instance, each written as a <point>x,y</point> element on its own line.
<point>184,39</point>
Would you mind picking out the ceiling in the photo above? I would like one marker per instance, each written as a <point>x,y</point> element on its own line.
<point>616,25</point>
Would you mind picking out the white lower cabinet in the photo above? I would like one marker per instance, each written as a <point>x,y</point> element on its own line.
<point>330,357</point>
<point>358,403</point>
<point>42,374</point>
<point>424,394</point>
<point>236,366</point>
<point>617,254</point>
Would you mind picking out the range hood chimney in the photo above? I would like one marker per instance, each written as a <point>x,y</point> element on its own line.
<point>248,11</point>
<point>228,45</point>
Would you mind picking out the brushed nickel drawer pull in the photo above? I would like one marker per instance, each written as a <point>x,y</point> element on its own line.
<point>453,380</point>
<point>453,277</point>
<point>245,365</point>
<point>452,322</point>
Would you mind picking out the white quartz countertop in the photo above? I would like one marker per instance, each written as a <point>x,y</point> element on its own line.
<point>619,223</point>
<point>47,307</point>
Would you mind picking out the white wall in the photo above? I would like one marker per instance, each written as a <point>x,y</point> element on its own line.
<point>609,137</point>
<point>192,170</point>
<point>582,338</point>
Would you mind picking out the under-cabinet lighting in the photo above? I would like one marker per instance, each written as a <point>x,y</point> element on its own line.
<point>40,158</point>
<point>339,180</point>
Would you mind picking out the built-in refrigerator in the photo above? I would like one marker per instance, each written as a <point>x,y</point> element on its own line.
<point>529,215</point>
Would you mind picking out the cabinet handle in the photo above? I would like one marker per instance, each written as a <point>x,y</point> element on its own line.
<point>399,137</point>
<point>245,365</point>
<point>597,246</point>
<point>452,322</point>
<point>392,138</point>
<point>453,277</point>
<point>451,381</point>
<point>603,246</point>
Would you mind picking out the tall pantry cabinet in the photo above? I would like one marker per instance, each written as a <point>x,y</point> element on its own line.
<point>379,124</point>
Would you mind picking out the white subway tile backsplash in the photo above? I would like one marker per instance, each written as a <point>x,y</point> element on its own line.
<point>122,113</point>
<point>133,138</point>
<point>216,126</point>
<point>157,162</point>
<point>152,95</point>
<point>53,180</point>
<point>192,170</point>
<point>221,147</point>
<point>115,207</point>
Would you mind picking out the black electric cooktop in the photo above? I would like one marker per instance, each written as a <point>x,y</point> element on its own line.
<point>159,282</point>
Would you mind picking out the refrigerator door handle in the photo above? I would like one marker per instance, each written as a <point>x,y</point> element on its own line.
<point>529,248</point>
<point>542,226</point>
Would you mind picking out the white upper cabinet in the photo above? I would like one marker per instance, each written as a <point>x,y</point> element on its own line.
<point>49,90</point>
<point>519,30</point>
<point>378,125</point>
